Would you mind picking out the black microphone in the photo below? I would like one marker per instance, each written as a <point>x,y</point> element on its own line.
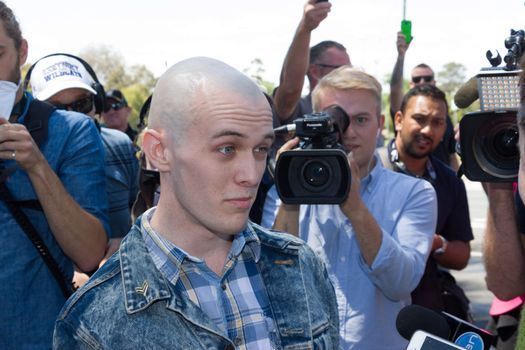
<point>415,317</point>
<point>285,129</point>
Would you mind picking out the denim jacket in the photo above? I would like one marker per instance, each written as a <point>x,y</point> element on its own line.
<point>128,304</point>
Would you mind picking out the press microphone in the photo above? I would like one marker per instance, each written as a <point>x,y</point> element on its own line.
<point>468,335</point>
<point>444,325</point>
<point>467,93</point>
<point>415,317</point>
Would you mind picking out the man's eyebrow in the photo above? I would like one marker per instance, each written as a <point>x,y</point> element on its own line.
<point>223,133</point>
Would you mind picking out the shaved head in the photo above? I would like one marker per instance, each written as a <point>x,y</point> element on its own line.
<point>180,96</point>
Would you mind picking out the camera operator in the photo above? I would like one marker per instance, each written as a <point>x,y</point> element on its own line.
<point>376,243</point>
<point>59,187</point>
<point>420,124</point>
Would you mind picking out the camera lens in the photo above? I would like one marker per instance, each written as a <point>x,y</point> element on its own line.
<point>506,143</point>
<point>316,173</point>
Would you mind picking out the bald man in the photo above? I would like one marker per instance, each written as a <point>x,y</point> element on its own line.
<point>194,273</point>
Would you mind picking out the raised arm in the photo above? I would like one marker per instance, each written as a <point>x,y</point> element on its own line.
<point>396,82</point>
<point>296,61</point>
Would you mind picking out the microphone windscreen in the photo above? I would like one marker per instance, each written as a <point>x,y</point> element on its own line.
<point>415,317</point>
<point>467,93</point>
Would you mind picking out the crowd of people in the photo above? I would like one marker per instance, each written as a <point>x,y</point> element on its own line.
<point>174,236</point>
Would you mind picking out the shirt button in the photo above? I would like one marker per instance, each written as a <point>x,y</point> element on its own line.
<point>238,341</point>
<point>223,286</point>
<point>343,259</point>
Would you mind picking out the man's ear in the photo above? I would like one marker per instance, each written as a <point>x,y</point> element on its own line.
<point>398,118</point>
<point>23,52</point>
<point>155,150</point>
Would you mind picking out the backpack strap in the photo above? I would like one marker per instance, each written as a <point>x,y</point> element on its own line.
<point>37,120</point>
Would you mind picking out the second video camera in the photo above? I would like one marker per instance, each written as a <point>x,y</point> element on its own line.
<point>317,172</point>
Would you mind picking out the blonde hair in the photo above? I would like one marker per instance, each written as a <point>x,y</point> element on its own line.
<point>346,78</point>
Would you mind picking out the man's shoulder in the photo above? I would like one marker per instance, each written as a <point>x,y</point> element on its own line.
<point>114,136</point>
<point>104,285</point>
<point>276,239</point>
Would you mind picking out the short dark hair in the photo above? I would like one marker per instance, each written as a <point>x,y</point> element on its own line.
<point>424,90</point>
<point>425,66</point>
<point>317,51</point>
<point>11,25</point>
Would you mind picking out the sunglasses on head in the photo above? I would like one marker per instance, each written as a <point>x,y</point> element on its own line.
<point>83,105</point>
<point>426,78</point>
<point>115,106</point>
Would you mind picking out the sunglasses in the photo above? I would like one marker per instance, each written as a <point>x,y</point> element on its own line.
<point>83,105</point>
<point>115,106</point>
<point>426,78</point>
<point>323,65</point>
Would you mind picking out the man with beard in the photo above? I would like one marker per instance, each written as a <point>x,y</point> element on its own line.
<point>420,124</point>
<point>59,187</point>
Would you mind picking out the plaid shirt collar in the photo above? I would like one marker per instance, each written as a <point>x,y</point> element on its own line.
<point>162,250</point>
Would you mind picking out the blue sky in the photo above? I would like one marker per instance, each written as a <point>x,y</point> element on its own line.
<point>158,33</point>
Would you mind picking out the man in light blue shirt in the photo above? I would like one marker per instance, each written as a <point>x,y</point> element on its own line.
<point>376,243</point>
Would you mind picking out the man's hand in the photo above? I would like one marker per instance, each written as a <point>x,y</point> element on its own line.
<point>402,45</point>
<point>353,200</point>
<point>16,143</point>
<point>314,14</point>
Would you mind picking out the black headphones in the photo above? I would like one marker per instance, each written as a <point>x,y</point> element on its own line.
<point>144,111</point>
<point>99,98</point>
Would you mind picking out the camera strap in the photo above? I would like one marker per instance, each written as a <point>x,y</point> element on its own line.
<point>398,165</point>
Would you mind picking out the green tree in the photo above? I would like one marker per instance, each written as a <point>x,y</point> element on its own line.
<point>256,71</point>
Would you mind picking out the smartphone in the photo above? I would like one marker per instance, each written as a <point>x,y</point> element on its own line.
<point>425,341</point>
<point>406,28</point>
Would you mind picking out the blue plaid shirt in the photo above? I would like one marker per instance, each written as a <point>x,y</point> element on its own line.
<point>237,301</point>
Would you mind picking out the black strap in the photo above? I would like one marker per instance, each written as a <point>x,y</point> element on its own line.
<point>37,124</point>
<point>31,233</point>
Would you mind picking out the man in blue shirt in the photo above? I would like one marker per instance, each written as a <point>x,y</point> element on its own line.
<point>66,177</point>
<point>194,273</point>
<point>376,242</point>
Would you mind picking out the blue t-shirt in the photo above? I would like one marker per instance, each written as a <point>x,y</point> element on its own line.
<point>31,297</point>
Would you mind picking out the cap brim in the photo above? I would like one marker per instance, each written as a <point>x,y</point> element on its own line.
<point>55,87</point>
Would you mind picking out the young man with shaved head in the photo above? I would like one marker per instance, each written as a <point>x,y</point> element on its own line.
<point>194,273</point>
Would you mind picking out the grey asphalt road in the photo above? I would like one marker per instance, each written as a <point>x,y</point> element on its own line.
<point>472,278</point>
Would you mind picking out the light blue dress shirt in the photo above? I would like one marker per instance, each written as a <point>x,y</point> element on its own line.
<point>369,298</point>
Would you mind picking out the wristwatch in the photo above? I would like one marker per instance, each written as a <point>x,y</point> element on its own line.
<point>443,247</point>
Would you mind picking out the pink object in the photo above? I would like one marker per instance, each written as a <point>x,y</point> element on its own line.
<point>499,307</point>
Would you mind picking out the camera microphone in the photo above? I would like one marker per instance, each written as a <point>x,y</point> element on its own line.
<point>285,129</point>
<point>467,93</point>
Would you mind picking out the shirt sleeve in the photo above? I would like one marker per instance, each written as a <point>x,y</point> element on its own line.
<point>400,262</point>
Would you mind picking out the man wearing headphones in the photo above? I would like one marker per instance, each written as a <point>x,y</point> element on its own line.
<point>56,188</point>
<point>67,82</point>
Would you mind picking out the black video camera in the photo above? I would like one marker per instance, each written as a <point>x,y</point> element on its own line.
<point>489,138</point>
<point>317,172</point>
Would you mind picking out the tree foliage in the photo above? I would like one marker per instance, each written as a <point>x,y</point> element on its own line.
<point>136,82</point>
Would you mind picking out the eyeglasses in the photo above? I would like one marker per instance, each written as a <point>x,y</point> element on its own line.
<point>333,66</point>
<point>426,78</point>
<point>115,106</point>
<point>83,105</point>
